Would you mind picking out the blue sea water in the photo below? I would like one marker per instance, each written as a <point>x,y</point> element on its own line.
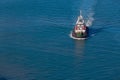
<point>35,42</point>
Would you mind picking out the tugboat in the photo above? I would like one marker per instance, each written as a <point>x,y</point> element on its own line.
<point>80,30</point>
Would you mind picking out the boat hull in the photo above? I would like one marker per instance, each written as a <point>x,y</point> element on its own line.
<point>81,34</point>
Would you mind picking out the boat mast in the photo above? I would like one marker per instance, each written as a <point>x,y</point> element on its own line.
<point>80,19</point>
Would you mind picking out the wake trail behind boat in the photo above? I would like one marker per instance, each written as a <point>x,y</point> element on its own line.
<point>90,20</point>
<point>87,8</point>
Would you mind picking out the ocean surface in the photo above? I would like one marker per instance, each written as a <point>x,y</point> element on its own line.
<point>35,42</point>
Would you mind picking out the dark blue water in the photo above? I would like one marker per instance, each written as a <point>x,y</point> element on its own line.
<point>35,42</point>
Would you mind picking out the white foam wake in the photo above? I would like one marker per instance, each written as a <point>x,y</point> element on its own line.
<point>87,8</point>
<point>90,19</point>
